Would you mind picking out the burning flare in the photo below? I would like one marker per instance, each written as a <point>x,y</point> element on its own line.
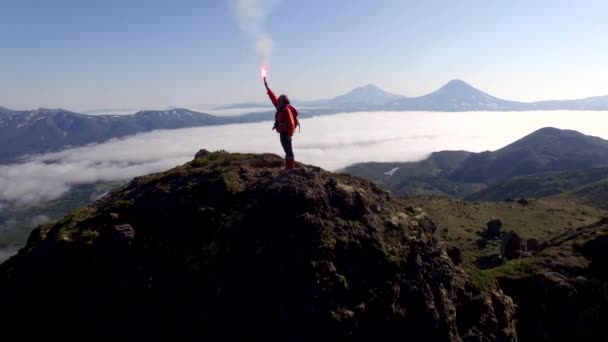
<point>263,72</point>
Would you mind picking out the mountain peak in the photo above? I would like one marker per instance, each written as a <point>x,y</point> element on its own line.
<point>51,111</point>
<point>458,85</point>
<point>555,131</point>
<point>544,150</point>
<point>557,139</point>
<point>457,81</point>
<point>229,240</point>
<point>366,95</point>
<point>369,86</point>
<point>457,95</point>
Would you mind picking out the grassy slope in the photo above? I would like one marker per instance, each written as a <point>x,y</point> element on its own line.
<point>542,184</point>
<point>595,194</point>
<point>426,177</point>
<point>460,222</point>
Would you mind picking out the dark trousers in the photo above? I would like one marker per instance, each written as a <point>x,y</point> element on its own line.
<point>286,143</point>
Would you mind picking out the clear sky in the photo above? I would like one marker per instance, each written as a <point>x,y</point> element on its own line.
<point>93,54</point>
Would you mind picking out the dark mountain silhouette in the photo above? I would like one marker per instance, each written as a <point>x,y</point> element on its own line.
<point>547,149</point>
<point>539,155</point>
<point>227,247</point>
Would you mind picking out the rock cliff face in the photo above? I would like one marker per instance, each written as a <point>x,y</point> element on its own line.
<point>227,246</point>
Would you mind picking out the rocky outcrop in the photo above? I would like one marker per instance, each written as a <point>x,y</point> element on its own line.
<point>228,247</point>
<point>201,154</point>
<point>455,254</point>
<point>533,246</point>
<point>596,250</point>
<point>485,262</point>
<point>511,246</point>
<point>493,229</point>
<point>562,292</point>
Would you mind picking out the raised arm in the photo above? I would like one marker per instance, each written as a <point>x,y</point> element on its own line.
<point>271,95</point>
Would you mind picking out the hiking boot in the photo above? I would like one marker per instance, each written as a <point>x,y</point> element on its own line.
<point>290,163</point>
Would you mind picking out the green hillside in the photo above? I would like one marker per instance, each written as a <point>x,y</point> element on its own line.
<point>424,177</point>
<point>595,194</point>
<point>546,162</point>
<point>547,149</point>
<point>542,184</point>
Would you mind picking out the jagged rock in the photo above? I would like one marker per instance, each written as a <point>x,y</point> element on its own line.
<point>125,231</point>
<point>511,246</point>
<point>455,254</point>
<point>532,245</point>
<point>523,202</point>
<point>485,262</point>
<point>228,247</point>
<point>201,153</point>
<point>493,229</point>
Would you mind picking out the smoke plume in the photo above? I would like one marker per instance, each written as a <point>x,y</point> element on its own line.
<point>251,15</point>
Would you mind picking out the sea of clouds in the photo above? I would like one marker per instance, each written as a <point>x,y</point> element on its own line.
<point>332,142</point>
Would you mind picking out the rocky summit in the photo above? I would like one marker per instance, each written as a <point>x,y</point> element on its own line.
<point>228,246</point>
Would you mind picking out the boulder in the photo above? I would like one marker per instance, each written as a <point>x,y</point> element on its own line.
<point>533,245</point>
<point>489,261</point>
<point>511,246</point>
<point>493,229</point>
<point>455,254</point>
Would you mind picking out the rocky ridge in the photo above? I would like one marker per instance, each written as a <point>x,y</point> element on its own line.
<point>228,246</point>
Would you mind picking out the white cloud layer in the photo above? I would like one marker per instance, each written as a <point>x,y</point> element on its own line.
<point>331,142</point>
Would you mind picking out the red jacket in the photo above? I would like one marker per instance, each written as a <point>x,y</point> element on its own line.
<point>286,118</point>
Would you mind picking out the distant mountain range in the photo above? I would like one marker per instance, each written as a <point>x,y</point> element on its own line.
<point>46,130</point>
<point>455,96</point>
<point>548,161</point>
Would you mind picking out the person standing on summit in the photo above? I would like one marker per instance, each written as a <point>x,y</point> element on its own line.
<point>285,122</point>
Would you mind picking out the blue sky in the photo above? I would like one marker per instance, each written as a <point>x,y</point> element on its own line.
<point>85,54</point>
